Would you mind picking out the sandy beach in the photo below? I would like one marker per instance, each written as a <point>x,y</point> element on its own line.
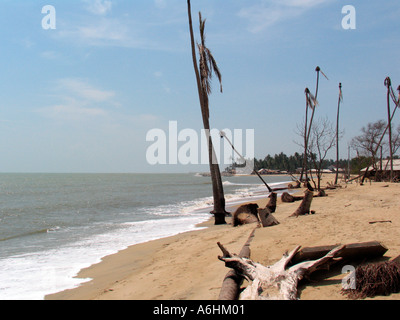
<point>186,267</point>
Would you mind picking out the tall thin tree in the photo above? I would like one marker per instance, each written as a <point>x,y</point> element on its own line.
<point>311,101</point>
<point>397,104</point>
<point>388,84</point>
<point>204,71</point>
<point>337,133</point>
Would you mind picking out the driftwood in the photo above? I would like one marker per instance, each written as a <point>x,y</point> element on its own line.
<point>251,213</point>
<point>331,186</point>
<point>277,281</point>
<point>231,284</point>
<point>245,214</point>
<point>354,251</point>
<point>297,185</point>
<point>305,205</point>
<point>383,221</point>
<point>266,217</point>
<point>286,197</point>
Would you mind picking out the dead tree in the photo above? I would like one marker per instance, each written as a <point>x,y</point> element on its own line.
<point>276,282</point>
<point>305,205</point>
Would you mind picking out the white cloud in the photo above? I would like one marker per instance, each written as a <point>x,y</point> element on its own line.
<point>99,7</point>
<point>268,13</point>
<point>104,32</point>
<point>160,4</point>
<point>75,111</point>
<point>78,99</point>
<point>84,90</point>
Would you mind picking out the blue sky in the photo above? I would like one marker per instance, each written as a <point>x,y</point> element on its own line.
<point>82,97</point>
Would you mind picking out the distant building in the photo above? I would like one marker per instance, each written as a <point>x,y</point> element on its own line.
<point>385,166</point>
<point>382,171</point>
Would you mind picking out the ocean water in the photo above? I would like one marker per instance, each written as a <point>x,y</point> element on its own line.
<point>53,225</point>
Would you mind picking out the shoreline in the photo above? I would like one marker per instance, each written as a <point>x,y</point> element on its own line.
<point>185,266</point>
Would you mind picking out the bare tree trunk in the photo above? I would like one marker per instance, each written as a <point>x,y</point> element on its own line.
<point>337,135</point>
<point>218,193</point>
<point>305,146</point>
<point>388,84</point>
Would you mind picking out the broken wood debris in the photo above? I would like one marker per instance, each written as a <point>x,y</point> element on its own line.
<point>231,284</point>
<point>382,221</point>
<point>280,280</point>
<point>354,251</point>
<point>275,282</point>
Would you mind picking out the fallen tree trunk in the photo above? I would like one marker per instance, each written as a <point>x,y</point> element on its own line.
<point>266,218</point>
<point>355,251</point>
<point>286,197</point>
<point>297,185</point>
<point>277,281</point>
<point>231,284</point>
<point>305,205</point>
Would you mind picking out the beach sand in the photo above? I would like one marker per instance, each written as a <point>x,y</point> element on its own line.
<point>186,267</point>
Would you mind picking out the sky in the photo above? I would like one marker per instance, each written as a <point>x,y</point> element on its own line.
<point>82,97</point>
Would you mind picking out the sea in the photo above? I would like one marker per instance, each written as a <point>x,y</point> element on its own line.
<point>54,225</point>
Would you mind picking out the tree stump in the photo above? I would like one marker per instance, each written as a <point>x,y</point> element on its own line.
<point>273,197</point>
<point>245,214</point>
<point>305,205</point>
<point>266,217</point>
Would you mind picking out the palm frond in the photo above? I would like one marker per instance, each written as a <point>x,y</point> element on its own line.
<point>214,67</point>
<point>310,99</point>
<point>207,66</point>
<point>324,75</point>
<point>202,29</point>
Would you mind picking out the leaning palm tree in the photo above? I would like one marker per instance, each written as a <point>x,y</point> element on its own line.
<point>204,71</point>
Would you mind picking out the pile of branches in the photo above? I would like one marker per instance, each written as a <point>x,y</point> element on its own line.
<point>379,279</point>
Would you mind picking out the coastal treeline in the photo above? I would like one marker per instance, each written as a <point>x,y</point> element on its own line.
<point>291,163</point>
